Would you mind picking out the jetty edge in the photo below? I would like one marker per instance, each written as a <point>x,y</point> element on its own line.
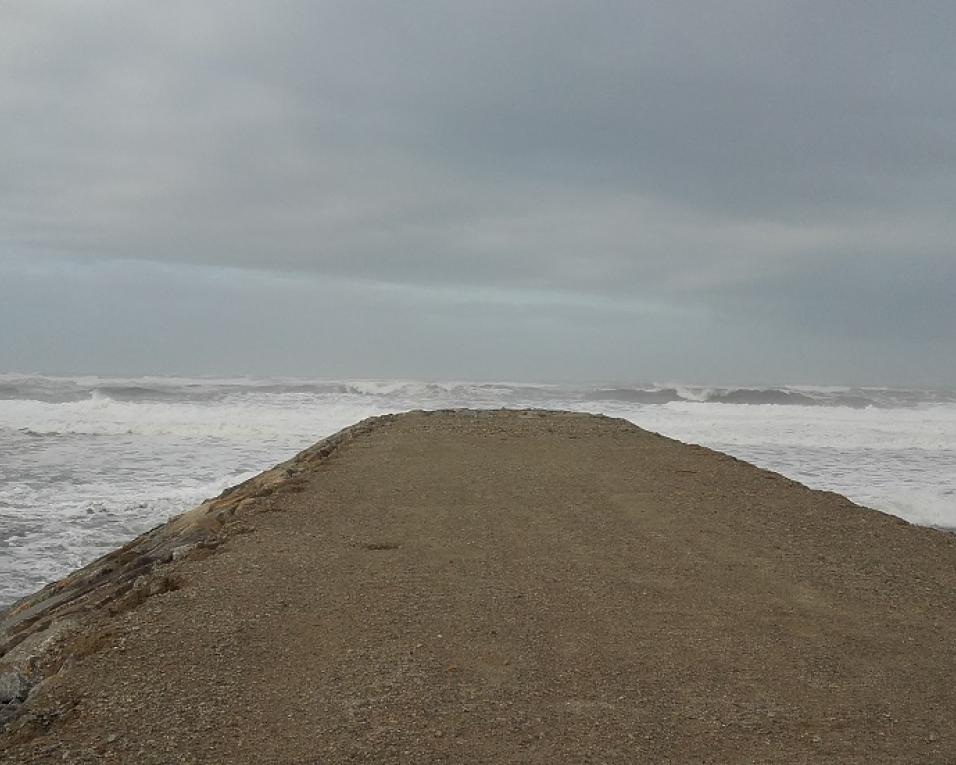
<point>44,622</point>
<point>498,586</point>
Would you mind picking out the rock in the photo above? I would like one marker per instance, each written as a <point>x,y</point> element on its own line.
<point>182,551</point>
<point>13,687</point>
<point>9,712</point>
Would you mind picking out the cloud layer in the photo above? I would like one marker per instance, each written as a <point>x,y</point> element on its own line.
<point>749,176</point>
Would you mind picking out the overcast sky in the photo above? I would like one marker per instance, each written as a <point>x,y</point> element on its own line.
<point>697,191</point>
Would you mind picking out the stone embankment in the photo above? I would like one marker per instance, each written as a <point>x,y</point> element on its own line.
<point>49,630</point>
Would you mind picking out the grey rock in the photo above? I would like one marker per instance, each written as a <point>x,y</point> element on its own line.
<point>14,687</point>
<point>181,551</point>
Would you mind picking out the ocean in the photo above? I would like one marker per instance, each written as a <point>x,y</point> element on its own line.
<point>87,463</point>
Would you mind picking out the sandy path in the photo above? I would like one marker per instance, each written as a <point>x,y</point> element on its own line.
<point>522,588</point>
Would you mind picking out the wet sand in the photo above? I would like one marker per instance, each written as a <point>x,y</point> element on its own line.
<point>497,587</point>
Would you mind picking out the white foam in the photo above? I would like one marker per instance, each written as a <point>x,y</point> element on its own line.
<point>241,418</point>
<point>931,426</point>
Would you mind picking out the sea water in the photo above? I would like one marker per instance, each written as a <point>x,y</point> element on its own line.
<point>88,463</point>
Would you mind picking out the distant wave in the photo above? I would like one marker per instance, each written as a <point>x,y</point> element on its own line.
<point>783,396</point>
<point>29,391</point>
<point>404,393</point>
<point>135,393</point>
<point>36,434</point>
<point>636,395</point>
<point>752,396</point>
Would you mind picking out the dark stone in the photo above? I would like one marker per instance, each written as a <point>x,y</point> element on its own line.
<point>9,712</point>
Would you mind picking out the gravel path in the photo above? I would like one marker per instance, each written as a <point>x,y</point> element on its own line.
<point>517,587</point>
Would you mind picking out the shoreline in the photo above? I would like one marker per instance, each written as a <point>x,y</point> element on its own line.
<point>702,504</point>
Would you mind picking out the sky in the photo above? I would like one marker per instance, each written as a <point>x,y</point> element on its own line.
<point>733,192</point>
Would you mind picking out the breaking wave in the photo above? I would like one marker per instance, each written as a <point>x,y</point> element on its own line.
<point>855,398</point>
<point>55,390</point>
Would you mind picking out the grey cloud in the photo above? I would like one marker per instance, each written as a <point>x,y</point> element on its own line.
<point>862,298</point>
<point>780,165</point>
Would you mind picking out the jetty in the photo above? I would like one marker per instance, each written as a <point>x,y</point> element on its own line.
<point>496,587</point>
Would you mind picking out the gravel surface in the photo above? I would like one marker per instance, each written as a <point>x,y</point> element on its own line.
<point>522,587</point>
